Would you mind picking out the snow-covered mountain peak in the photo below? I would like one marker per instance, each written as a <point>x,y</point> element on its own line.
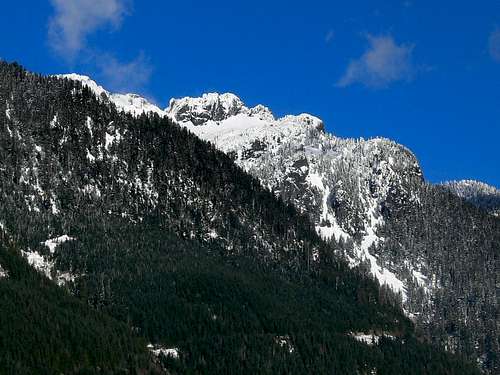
<point>130,103</point>
<point>346,186</point>
<point>303,119</point>
<point>214,107</point>
<point>208,107</point>
<point>261,112</point>
<point>86,81</point>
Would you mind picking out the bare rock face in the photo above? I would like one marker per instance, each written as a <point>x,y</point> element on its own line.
<point>347,187</point>
<point>210,107</point>
<point>339,183</point>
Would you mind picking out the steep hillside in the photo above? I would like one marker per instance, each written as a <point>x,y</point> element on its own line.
<point>147,223</point>
<point>357,192</point>
<point>44,330</point>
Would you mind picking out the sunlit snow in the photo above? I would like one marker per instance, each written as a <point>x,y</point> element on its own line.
<point>3,273</point>
<point>268,148</point>
<point>52,243</point>
<point>285,342</point>
<point>370,339</point>
<point>158,350</point>
<point>130,103</point>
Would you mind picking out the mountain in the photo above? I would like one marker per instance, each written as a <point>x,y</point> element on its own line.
<point>146,224</point>
<point>130,103</point>
<point>357,192</point>
<point>370,197</point>
<point>478,193</point>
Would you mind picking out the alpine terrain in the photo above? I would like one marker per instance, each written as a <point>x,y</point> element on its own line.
<point>439,254</point>
<point>212,238</point>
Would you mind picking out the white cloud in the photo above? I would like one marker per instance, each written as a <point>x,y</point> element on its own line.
<point>74,20</point>
<point>125,76</point>
<point>71,25</point>
<point>383,63</point>
<point>494,45</point>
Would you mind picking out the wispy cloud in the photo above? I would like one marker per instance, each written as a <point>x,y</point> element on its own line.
<point>72,24</point>
<point>330,35</point>
<point>75,20</point>
<point>383,63</point>
<point>125,76</point>
<point>494,45</point>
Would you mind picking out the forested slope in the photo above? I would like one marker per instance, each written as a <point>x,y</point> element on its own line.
<point>370,198</point>
<point>143,221</point>
<point>44,330</point>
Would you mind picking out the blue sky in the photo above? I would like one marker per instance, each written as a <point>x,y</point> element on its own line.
<point>424,73</point>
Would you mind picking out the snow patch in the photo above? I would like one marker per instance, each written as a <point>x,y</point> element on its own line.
<point>63,278</point>
<point>158,350</point>
<point>316,180</point>
<point>420,278</point>
<point>3,272</point>
<point>52,243</point>
<point>38,262</point>
<point>90,157</point>
<point>53,205</point>
<point>46,267</point>
<point>54,122</point>
<point>212,234</point>
<point>8,112</point>
<point>88,124</point>
<point>328,228</point>
<point>285,342</point>
<point>369,339</point>
<point>91,190</point>
<point>112,137</point>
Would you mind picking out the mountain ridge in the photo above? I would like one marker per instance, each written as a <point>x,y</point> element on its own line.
<point>163,232</point>
<point>353,191</point>
<point>478,193</point>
